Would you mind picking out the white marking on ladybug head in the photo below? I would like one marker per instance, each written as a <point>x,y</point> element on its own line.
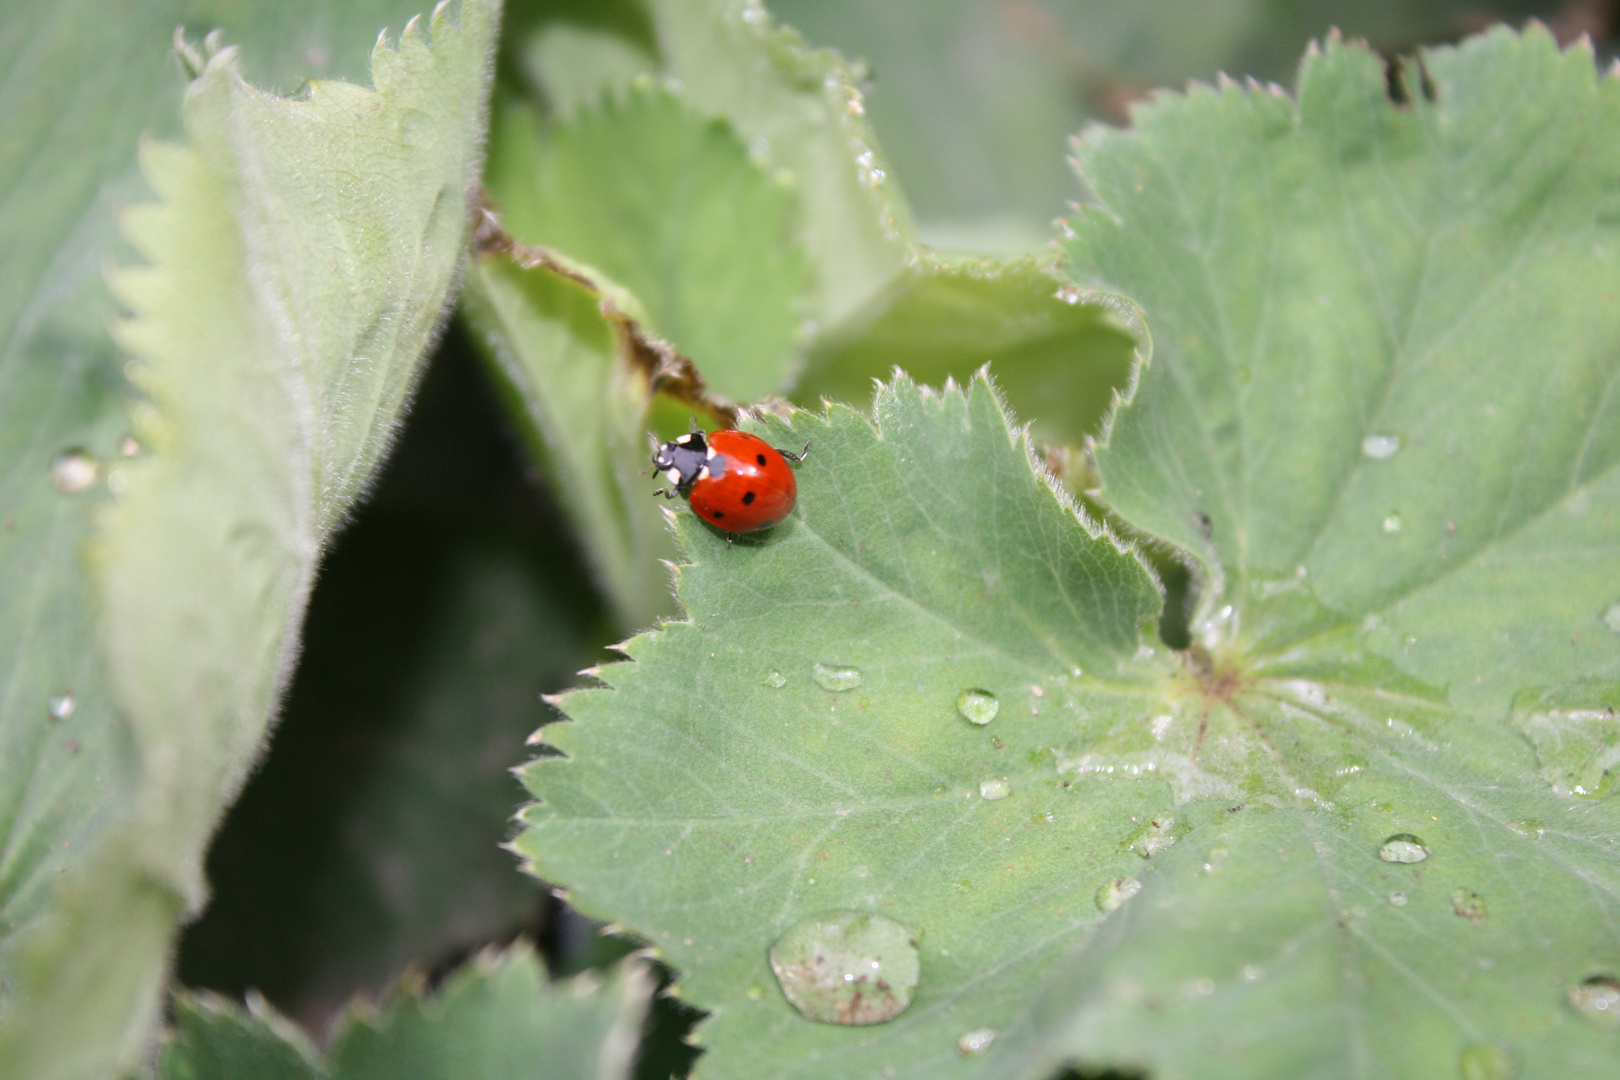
<point>672,475</point>
<point>711,452</point>
<point>682,440</point>
<point>703,473</point>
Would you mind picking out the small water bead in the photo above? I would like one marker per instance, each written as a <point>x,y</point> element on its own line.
<point>1611,617</point>
<point>1486,1061</point>
<point>1069,294</point>
<point>1397,899</point>
<point>1403,848</point>
<point>1392,523</point>
<point>836,677</point>
<point>1528,827</point>
<point>847,967</point>
<point>1159,833</point>
<point>774,679</point>
<point>60,706</point>
<point>1597,1001</point>
<point>756,993</point>
<point>975,1042</point>
<point>994,788</point>
<point>73,470</point>
<point>1380,447</point>
<point>977,706</point>
<point>1116,892</point>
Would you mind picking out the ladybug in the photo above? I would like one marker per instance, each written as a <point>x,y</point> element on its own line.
<point>733,480</point>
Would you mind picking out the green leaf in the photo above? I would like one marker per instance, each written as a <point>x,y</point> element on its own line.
<point>273,376</point>
<point>494,1018</point>
<point>1315,843</point>
<point>667,203</point>
<point>567,356</point>
<point>82,85</point>
<point>732,60</point>
<point>796,109</point>
<point>797,748</point>
<point>1385,359</point>
<point>1059,356</point>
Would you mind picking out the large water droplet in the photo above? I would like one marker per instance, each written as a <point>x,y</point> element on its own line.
<point>1403,848</point>
<point>1159,833</point>
<point>1116,892</point>
<point>60,706</point>
<point>1392,523</point>
<point>774,679</point>
<point>976,1041</point>
<point>836,677</point>
<point>1597,1001</point>
<point>1485,1061</point>
<point>978,706</point>
<point>1380,447</point>
<point>1469,904</point>
<point>994,788</point>
<point>73,470</point>
<point>1611,617</point>
<point>847,967</point>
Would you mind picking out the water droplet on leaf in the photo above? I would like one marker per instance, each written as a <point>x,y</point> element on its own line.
<point>976,1041</point>
<point>60,706</point>
<point>774,679</point>
<point>847,967</point>
<point>1484,1061</point>
<point>1611,618</point>
<point>978,706</point>
<point>756,993</point>
<point>1159,833</point>
<point>1116,892</point>
<point>1403,848</point>
<point>836,677</point>
<point>1068,294</point>
<point>73,470</point>
<point>1597,1001</point>
<point>994,788</point>
<point>1529,827</point>
<point>1380,447</point>
<point>1392,523</point>
<point>1397,899</point>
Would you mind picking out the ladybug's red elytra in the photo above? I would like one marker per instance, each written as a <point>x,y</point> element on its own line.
<point>735,481</point>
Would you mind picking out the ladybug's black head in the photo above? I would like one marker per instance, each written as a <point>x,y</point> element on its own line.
<point>682,460</point>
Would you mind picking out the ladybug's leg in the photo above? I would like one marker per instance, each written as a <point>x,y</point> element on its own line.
<point>731,538</point>
<point>791,456</point>
<point>668,493</point>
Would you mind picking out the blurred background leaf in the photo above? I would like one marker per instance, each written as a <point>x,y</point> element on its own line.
<point>975,100</point>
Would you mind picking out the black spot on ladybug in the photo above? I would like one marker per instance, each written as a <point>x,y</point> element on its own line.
<point>719,514</point>
<point>748,499</point>
<point>760,458</point>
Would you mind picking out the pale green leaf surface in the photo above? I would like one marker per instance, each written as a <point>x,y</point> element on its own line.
<point>276,333</point>
<point>81,84</point>
<point>582,407</point>
<point>1057,355</point>
<point>495,1018</point>
<point>665,201</point>
<point>717,793</point>
<point>733,60</point>
<point>1386,355</point>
